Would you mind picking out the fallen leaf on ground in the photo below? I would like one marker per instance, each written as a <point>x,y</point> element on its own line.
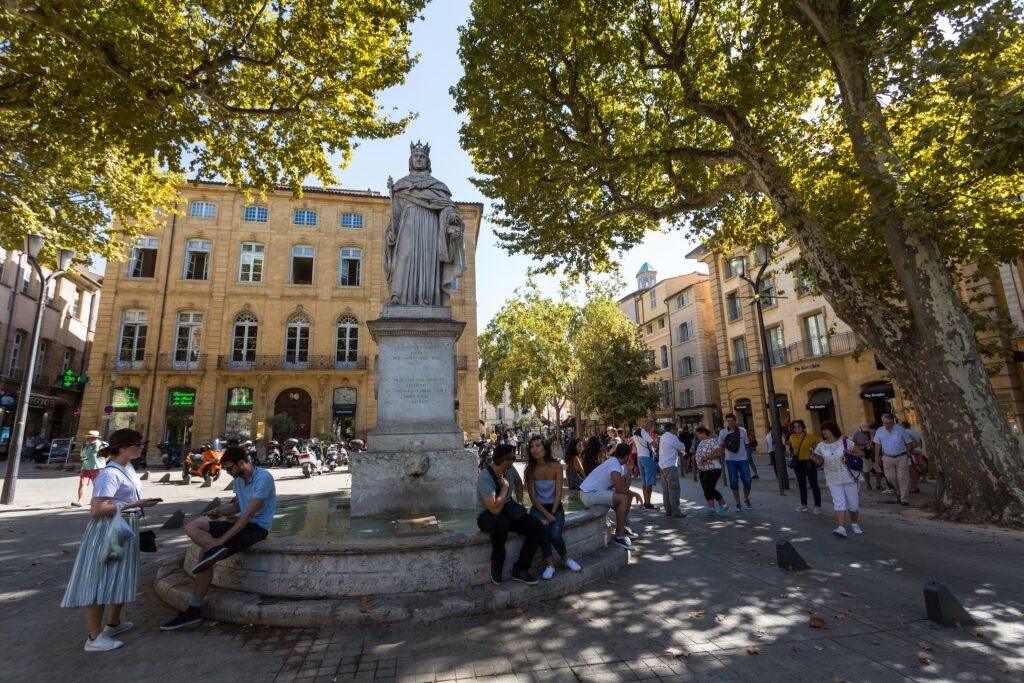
<point>1002,669</point>
<point>818,622</point>
<point>364,604</point>
<point>699,614</point>
<point>837,679</point>
<point>924,660</point>
<point>847,594</point>
<point>754,650</point>
<point>876,642</point>
<point>923,645</point>
<point>760,633</point>
<point>819,648</point>
<point>719,618</point>
<point>977,633</point>
<point>796,648</point>
<point>676,652</point>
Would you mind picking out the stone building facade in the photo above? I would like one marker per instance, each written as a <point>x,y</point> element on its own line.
<point>820,368</point>
<point>675,322</point>
<point>242,309</point>
<point>69,317</point>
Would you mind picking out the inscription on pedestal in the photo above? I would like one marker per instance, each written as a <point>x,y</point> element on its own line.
<point>416,382</point>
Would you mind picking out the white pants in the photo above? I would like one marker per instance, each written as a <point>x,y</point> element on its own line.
<point>845,497</point>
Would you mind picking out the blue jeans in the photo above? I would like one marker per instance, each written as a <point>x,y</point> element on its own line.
<point>553,531</point>
<point>738,469</point>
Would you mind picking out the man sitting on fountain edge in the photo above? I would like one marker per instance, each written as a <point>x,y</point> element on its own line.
<point>498,514</point>
<point>255,501</point>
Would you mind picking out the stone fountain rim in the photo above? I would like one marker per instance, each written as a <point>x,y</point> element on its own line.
<point>276,544</point>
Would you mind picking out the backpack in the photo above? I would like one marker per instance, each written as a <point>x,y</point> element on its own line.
<point>731,442</point>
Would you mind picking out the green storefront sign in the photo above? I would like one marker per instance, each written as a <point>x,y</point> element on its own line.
<point>181,398</point>
<point>125,398</point>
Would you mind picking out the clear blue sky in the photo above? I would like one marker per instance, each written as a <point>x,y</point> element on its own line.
<point>426,92</point>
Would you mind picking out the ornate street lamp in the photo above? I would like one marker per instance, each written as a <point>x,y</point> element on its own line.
<point>33,247</point>
<point>762,253</point>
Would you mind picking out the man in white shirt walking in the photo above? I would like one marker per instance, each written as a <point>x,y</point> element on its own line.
<point>891,443</point>
<point>670,450</point>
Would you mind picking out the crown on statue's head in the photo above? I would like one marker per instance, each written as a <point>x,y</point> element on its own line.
<point>419,147</point>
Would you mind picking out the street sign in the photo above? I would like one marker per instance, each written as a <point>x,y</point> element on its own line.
<point>108,409</point>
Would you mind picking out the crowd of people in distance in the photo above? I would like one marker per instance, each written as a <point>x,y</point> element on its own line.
<point>602,471</point>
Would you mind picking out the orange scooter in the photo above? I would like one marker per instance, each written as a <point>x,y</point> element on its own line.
<point>202,462</point>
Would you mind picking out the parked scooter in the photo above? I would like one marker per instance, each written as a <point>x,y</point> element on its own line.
<point>274,457</point>
<point>203,462</point>
<point>170,455</point>
<point>291,452</point>
<point>356,445</point>
<point>310,461</point>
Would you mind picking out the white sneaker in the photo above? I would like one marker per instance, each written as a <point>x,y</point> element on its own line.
<point>573,565</point>
<point>816,511</point>
<point>101,643</point>
<point>856,528</point>
<point>549,572</point>
<point>111,631</point>
<point>840,531</point>
<point>800,508</point>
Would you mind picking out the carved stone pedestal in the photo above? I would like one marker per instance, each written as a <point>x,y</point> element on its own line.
<point>416,462</point>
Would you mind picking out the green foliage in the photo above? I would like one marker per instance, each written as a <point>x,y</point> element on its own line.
<point>105,105</point>
<point>543,352</point>
<point>282,424</point>
<point>592,123</point>
<point>531,422</point>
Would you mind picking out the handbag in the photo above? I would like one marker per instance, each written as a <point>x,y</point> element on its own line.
<point>512,509</point>
<point>794,457</point>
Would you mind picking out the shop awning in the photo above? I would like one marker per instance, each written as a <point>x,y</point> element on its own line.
<point>872,391</point>
<point>742,404</point>
<point>820,399</point>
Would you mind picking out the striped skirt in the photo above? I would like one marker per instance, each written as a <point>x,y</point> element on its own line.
<point>95,582</point>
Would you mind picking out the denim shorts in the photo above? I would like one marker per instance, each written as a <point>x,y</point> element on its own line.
<point>648,470</point>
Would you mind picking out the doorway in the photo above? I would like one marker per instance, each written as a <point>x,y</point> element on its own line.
<point>822,408</point>
<point>297,404</point>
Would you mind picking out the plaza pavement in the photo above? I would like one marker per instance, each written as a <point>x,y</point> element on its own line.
<point>700,600</point>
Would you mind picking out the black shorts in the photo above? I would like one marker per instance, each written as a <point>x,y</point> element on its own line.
<point>249,536</point>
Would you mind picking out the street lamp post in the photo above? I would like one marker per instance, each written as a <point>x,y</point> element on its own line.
<point>761,258</point>
<point>33,245</point>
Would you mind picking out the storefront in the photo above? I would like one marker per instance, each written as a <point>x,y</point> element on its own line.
<point>822,408</point>
<point>179,416</point>
<point>343,413</point>
<point>238,414</point>
<point>879,397</point>
<point>743,409</point>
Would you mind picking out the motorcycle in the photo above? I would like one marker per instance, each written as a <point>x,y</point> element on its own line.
<point>203,462</point>
<point>251,451</point>
<point>310,461</point>
<point>291,452</point>
<point>484,450</point>
<point>170,455</point>
<point>274,458</point>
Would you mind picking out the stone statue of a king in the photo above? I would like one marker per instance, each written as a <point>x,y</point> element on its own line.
<point>423,246</point>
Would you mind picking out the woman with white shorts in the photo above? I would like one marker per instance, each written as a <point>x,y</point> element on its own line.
<point>843,483</point>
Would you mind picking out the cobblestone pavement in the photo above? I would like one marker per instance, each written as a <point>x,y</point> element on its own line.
<point>700,600</point>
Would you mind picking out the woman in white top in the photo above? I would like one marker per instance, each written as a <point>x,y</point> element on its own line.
<point>98,580</point>
<point>844,483</point>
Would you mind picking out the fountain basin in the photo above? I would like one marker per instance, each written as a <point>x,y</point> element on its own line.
<point>358,571</point>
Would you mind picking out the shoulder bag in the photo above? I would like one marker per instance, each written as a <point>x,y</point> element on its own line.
<point>794,457</point>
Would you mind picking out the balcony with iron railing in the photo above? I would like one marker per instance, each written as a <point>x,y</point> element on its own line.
<point>805,349</point>
<point>126,362</point>
<point>182,362</point>
<point>292,362</point>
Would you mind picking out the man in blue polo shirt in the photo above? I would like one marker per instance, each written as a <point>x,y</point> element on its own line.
<point>255,501</point>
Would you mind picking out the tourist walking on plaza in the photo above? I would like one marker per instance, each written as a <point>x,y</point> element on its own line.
<point>670,452</point>
<point>498,514</point>
<point>254,504</point>
<point>891,443</point>
<point>800,446</point>
<point>751,449</point>
<point>106,571</point>
<point>832,455</point>
<point>544,481</point>
<point>733,441</point>
<point>574,472</point>
<point>686,436</point>
<point>92,463</point>
<point>708,461</point>
<point>643,442</point>
<point>608,486</point>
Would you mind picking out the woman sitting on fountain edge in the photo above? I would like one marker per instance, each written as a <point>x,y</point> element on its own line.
<point>499,514</point>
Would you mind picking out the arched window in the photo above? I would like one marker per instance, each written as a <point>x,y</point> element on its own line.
<point>347,353</point>
<point>203,210</point>
<point>296,344</point>
<point>243,347</point>
<point>132,345</point>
